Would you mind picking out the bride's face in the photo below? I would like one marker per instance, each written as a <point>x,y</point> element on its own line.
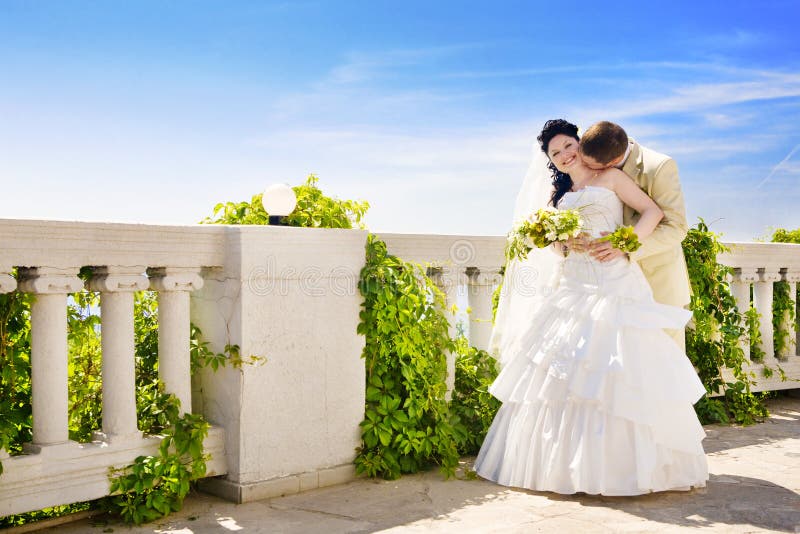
<point>563,152</point>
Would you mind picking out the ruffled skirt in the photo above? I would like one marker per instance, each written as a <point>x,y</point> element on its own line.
<point>597,398</point>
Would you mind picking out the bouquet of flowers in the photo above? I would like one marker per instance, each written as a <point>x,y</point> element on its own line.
<point>624,239</point>
<point>542,228</point>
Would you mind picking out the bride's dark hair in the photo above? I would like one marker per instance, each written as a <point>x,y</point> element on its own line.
<point>562,182</point>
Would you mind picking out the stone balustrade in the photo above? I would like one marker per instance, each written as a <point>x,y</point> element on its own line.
<point>474,263</point>
<point>286,295</point>
<point>756,269</point>
<point>454,261</point>
<point>48,256</point>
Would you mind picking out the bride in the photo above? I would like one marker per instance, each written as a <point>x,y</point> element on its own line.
<point>597,398</point>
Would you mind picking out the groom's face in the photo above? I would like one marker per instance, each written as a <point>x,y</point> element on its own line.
<point>594,164</point>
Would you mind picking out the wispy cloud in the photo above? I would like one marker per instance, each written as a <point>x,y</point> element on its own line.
<point>650,67</point>
<point>709,96</point>
<point>716,148</point>
<point>727,120</point>
<point>734,39</point>
<point>360,67</point>
<point>459,153</point>
<point>781,166</point>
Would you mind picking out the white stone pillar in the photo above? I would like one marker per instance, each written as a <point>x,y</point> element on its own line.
<point>50,398</point>
<point>791,277</point>
<point>480,286</point>
<point>174,329</point>
<point>447,281</point>
<point>762,298</point>
<point>740,287</point>
<point>116,286</point>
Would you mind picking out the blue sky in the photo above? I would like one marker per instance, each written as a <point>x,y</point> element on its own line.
<point>155,111</point>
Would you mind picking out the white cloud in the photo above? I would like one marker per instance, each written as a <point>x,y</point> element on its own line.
<point>708,96</point>
<point>360,66</point>
<point>782,166</point>
<point>715,148</point>
<point>727,120</point>
<point>791,168</point>
<point>444,152</point>
<point>396,147</point>
<point>735,39</point>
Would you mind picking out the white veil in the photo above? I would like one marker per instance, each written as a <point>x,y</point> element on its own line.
<point>525,283</point>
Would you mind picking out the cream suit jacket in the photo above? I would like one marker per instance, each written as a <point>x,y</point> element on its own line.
<point>660,256</point>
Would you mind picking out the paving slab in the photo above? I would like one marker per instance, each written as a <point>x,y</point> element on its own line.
<point>754,487</point>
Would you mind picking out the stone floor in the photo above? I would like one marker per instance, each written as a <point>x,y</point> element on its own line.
<point>754,487</point>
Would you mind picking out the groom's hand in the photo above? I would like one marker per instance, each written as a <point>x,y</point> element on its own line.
<point>582,243</point>
<point>603,251</point>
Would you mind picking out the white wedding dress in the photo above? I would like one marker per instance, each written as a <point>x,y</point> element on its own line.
<point>596,397</point>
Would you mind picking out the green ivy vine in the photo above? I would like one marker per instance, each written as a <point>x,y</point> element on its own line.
<point>153,485</point>
<point>15,372</point>
<point>314,210</point>
<point>472,403</point>
<point>712,338</point>
<point>783,303</point>
<point>407,424</point>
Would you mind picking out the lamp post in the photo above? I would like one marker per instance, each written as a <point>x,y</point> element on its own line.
<point>279,201</point>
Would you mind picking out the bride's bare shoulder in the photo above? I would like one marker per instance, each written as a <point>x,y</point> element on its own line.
<point>614,177</point>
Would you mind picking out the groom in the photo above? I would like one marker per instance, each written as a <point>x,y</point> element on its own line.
<point>606,144</point>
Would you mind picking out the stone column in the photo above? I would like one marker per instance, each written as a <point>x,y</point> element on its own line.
<point>740,287</point>
<point>762,297</point>
<point>116,286</point>
<point>447,281</point>
<point>50,397</point>
<point>791,277</point>
<point>480,286</point>
<point>174,360</point>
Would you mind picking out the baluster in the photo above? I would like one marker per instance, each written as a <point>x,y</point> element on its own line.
<point>480,286</point>
<point>174,329</point>
<point>49,350</point>
<point>447,282</point>
<point>791,277</point>
<point>762,298</point>
<point>116,286</point>
<point>740,287</point>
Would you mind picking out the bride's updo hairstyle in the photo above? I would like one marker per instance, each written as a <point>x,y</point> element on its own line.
<point>562,182</point>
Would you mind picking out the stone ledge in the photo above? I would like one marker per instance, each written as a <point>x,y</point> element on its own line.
<point>79,472</point>
<point>774,383</point>
<point>278,487</point>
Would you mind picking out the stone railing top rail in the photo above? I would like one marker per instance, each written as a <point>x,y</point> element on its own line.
<point>754,255</point>
<point>487,251</point>
<point>67,244</point>
<point>444,250</point>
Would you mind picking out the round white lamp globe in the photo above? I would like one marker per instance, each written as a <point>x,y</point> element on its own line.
<point>279,200</point>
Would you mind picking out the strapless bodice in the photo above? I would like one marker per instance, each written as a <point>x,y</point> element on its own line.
<point>600,208</point>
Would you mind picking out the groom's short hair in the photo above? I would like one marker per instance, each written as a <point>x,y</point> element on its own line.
<point>604,142</point>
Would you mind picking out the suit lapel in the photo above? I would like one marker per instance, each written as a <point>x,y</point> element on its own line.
<point>633,167</point>
<point>634,164</point>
